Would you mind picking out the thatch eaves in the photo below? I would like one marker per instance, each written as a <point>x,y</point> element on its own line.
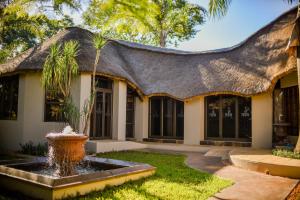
<point>250,68</point>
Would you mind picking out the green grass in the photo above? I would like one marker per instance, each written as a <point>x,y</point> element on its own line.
<point>285,153</point>
<point>173,180</point>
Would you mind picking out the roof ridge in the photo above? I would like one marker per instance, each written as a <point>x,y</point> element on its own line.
<point>145,47</point>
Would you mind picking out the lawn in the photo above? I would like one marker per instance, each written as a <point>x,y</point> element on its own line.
<point>173,180</point>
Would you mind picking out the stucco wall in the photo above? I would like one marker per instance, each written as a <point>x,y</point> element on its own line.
<point>119,110</point>
<point>30,124</point>
<point>11,130</point>
<point>262,109</point>
<point>141,118</point>
<point>34,127</point>
<point>194,121</point>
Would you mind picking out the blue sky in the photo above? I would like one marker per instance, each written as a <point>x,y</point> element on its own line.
<point>243,19</point>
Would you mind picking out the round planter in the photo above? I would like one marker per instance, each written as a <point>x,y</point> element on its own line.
<point>66,151</point>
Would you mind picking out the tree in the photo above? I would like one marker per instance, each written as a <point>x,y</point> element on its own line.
<point>99,42</point>
<point>219,8</point>
<point>156,22</point>
<point>21,29</point>
<point>59,69</point>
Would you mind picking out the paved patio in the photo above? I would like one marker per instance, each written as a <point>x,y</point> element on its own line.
<point>248,184</point>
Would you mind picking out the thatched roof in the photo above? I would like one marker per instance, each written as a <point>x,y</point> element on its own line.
<point>249,68</point>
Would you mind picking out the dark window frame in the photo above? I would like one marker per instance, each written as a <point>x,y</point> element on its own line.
<point>174,118</point>
<point>11,106</point>
<point>105,90</point>
<point>47,103</point>
<point>237,117</point>
<point>130,94</point>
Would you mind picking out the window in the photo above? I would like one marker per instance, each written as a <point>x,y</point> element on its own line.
<point>101,119</point>
<point>53,106</point>
<point>9,87</point>
<point>130,112</point>
<point>228,116</point>
<point>286,108</point>
<point>166,117</point>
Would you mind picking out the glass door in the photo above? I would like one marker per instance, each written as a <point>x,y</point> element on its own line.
<point>229,116</point>
<point>102,116</point>
<point>130,113</point>
<point>213,116</point>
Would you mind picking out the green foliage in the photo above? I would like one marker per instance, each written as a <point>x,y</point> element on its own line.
<point>286,153</point>
<point>40,149</point>
<point>156,22</point>
<point>60,68</point>
<point>172,180</point>
<point>99,41</point>
<point>218,8</point>
<point>21,28</point>
<point>71,114</point>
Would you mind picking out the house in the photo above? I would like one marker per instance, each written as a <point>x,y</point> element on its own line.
<point>234,96</point>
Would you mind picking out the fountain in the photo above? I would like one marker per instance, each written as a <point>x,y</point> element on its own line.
<point>67,172</point>
<point>66,150</point>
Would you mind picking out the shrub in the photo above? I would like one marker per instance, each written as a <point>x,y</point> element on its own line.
<point>41,149</point>
<point>285,153</point>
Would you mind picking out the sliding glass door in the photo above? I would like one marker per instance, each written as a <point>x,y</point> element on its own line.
<point>102,113</point>
<point>166,118</point>
<point>228,117</point>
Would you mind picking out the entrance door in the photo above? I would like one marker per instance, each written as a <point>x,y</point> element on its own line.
<point>229,115</point>
<point>101,122</point>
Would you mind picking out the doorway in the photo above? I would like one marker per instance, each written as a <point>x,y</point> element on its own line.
<point>101,122</point>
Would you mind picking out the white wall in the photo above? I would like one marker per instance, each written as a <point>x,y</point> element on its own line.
<point>119,110</point>
<point>30,124</point>
<point>34,127</point>
<point>141,118</point>
<point>262,109</point>
<point>11,130</point>
<point>194,121</point>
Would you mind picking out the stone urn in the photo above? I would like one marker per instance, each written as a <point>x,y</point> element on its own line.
<point>66,151</point>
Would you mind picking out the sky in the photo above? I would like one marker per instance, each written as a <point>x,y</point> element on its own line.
<point>244,17</point>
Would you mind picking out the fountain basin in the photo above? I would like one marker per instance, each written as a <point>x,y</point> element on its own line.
<point>23,177</point>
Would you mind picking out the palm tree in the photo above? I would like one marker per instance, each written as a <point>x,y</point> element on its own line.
<point>99,42</point>
<point>60,68</point>
<point>155,22</point>
<point>219,8</point>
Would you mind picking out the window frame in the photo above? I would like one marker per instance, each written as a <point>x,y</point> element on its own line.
<point>237,117</point>
<point>61,118</point>
<point>11,81</point>
<point>132,92</point>
<point>174,119</point>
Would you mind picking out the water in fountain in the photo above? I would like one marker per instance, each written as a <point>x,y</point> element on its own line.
<point>66,150</point>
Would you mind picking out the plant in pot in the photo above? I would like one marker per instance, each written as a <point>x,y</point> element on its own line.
<point>66,148</point>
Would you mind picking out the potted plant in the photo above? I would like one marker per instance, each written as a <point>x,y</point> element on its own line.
<point>66,148</point>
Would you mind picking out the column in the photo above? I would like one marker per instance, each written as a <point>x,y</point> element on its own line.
<point>194,121</point>
<point>119,110</point>
<point>262,108</point>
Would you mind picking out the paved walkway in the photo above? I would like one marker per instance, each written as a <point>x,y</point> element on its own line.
<point>248,185</point>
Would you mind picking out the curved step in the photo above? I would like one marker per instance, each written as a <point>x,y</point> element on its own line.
<point>263,161</point>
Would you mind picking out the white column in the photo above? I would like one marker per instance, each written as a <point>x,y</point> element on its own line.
<point>262,108</point>
<point>141,118</point>
<point>119,110</point>
<point>85,89</point>
<point>194,121</point>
